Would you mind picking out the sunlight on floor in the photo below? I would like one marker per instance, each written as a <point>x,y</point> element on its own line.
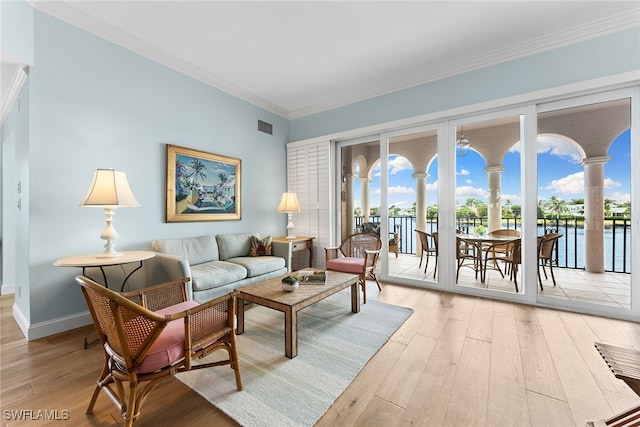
<point>612,289</point>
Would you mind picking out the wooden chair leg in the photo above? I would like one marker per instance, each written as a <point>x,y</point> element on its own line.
<point>375,277</point>
<point>132,406</point>
<point>96,392</point>
<point>235,361</point>
<point>363,285</point>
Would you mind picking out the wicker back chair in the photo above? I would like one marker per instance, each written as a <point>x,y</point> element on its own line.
<point>503,249</point>
<point>151,334</point>
<point>429,244</point>
<point>394,236</point>
<point>547,245</point>
<point>513,258</point>
<point>358,254</point>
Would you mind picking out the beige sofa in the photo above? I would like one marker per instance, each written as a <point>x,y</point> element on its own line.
<point>216,264</point>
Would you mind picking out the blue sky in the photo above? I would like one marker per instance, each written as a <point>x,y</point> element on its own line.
<point>561,175</point>
<point>211,170</point>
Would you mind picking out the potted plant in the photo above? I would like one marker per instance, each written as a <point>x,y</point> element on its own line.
<point>481,230</point>
<point>290,283</point>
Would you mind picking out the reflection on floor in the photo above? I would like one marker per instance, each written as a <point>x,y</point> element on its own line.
<point>612,289</point>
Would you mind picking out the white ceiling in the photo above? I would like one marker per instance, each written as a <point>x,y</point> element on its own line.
<point>296,58</point>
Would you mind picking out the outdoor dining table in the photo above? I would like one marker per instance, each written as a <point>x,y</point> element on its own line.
<point>485,244</point>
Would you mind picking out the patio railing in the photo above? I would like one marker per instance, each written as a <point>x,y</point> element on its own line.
<point>570,250</point>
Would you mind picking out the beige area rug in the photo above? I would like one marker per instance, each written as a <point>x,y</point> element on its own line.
<point>333,346</point>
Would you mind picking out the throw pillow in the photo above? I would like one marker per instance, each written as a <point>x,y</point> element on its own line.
<point>260,247</point>
<point>371,227</point>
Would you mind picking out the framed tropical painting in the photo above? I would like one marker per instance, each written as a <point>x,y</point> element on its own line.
<point>202,186</point>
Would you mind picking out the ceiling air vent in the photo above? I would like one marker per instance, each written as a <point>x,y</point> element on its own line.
<point>265,127</point>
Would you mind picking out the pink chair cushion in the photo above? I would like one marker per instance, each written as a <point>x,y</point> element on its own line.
<point>346,265</point>
<point>169,347</point>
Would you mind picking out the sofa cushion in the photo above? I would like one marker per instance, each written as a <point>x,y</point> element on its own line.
<point>260,247</point>
<point>234,245</point>
<point>256,266</point>
<point>216,273</point>
<point>195,249</point>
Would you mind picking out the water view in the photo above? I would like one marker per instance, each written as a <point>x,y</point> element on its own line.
<point>617,240</point>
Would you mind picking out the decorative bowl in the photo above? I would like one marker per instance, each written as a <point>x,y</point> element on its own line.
<point>290,283</point>
<point>289,288</point>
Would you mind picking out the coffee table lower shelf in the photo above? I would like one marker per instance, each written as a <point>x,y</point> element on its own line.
<point>270,294</point>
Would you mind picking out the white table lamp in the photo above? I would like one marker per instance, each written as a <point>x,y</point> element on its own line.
<point>109,190</point>
<point>289,205</point>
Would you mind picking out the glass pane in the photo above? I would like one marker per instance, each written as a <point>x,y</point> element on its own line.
<point>360,189</point>
<point>584,175</point>
<point>488,204</point>
<point>413,205</point>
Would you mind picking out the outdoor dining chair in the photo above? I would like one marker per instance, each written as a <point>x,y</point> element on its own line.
<point>429,245</point>
<point>498,251</point>
<point>513,259</point>
<point>547,245</point>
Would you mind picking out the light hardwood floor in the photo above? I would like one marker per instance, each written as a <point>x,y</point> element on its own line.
<point>457,361</point>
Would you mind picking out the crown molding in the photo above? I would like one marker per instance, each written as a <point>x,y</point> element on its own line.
<point>19,77</point>
<point>75,17</point>
<point>552,41</point>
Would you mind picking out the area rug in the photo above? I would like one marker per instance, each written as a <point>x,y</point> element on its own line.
<point>333,346</point>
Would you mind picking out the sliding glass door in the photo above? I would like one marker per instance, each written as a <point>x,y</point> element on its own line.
<point>584,193</point>
<point>488,203</point>
<point>412,205</point>
<point>359,185</point>
<point>530,204</point>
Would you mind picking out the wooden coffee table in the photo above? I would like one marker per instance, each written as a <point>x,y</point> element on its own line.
<point>270,294</point>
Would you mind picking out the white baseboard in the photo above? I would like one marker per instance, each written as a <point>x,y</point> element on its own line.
<point>50,327</point>
<point>7,289</point>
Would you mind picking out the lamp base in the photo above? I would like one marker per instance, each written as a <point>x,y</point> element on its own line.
<point>290,228</point>
<point>109,234</point>
<point>109,253</point>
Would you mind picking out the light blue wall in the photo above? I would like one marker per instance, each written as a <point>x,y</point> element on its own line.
<point>14,136</point>
<point>16,30</point>
<point>16,36</point>
<point>604,56</point>
<point>95,104</point>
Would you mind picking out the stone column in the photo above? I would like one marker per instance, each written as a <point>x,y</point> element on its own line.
<point>421,204</point>
<point>494,179</point>
<point>364,198</point>
<point>347,200</point>
<point>594,213</point>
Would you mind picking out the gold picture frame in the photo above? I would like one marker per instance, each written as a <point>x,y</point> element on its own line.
<point>202,186</point>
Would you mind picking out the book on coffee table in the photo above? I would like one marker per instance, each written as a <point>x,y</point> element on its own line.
<point>312,277</point>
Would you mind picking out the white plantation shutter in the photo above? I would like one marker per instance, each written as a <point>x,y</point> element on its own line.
<point>309,176</point>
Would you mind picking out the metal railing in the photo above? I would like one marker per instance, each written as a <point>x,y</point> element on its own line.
<point>570,248</point>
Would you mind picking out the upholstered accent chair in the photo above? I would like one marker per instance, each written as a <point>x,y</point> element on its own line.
<point>357,254</point>
<point>152,334</point>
